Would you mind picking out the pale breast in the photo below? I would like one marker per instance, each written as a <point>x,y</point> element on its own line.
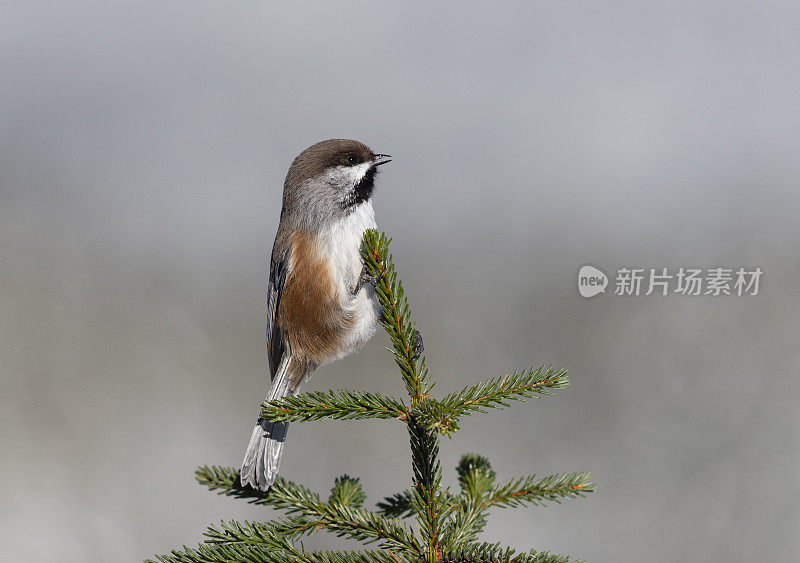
<point>341,244</point>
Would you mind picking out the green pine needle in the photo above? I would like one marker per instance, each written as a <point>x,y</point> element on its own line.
<point>494,393</point>
<point>347,491</point>
<point>338,405</point>
<point>495,553</point>
<point>530,490</point>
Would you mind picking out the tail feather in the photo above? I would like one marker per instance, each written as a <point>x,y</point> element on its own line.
<point>263,456</point>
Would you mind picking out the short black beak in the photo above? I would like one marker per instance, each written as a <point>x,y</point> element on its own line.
<point>381,159</point>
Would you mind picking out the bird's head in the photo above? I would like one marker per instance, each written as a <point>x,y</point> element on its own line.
<point>329,180</point>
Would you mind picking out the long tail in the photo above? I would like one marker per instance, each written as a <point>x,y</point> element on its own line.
<point>263,456</point>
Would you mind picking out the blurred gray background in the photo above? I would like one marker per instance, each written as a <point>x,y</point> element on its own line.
<point>143,147</point>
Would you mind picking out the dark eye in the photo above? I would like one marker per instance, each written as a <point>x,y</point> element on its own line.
<point>352,159</point>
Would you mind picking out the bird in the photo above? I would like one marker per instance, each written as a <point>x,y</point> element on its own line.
<point>321,302</point>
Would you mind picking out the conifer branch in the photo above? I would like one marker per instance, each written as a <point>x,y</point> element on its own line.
<point>530,490</point>
<point>358,524</point>
<point>476,477</point>
<point>433,414</point>
<point>347,491</point>
<point>309,511</point>
<point>338,405</point>
<point>495,553</point>
<point>475,474</point>
<point>226,481</point>
<point>353,557</point>
<point>254,533</point>
<point>479,495</point>
<point>344,521</point>
<point>428,499</point>
<point>268,534</point>
<point>396,316</point>
<point>223,554</point>
<point>495,393</point>
<point>448,524</point>
<point>239,553</point>
<point>443,414</point>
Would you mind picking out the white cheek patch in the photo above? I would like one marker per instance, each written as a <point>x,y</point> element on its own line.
<point>349,176</point>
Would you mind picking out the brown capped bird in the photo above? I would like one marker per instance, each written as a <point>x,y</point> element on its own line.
<point>321,304</point>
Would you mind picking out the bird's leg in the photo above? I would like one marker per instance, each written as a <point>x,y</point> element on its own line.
<point>419,346</point>
<point>365,278</point>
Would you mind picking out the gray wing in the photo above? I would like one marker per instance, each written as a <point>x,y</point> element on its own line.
<point>263,455</point>
<point>278,270</point>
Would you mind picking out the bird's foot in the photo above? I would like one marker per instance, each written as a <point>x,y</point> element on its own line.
<point>366,278</point>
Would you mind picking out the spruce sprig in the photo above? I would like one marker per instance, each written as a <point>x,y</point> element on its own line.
<point>395,314</point>
<point>337,405</point>
<point>447,524</point>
